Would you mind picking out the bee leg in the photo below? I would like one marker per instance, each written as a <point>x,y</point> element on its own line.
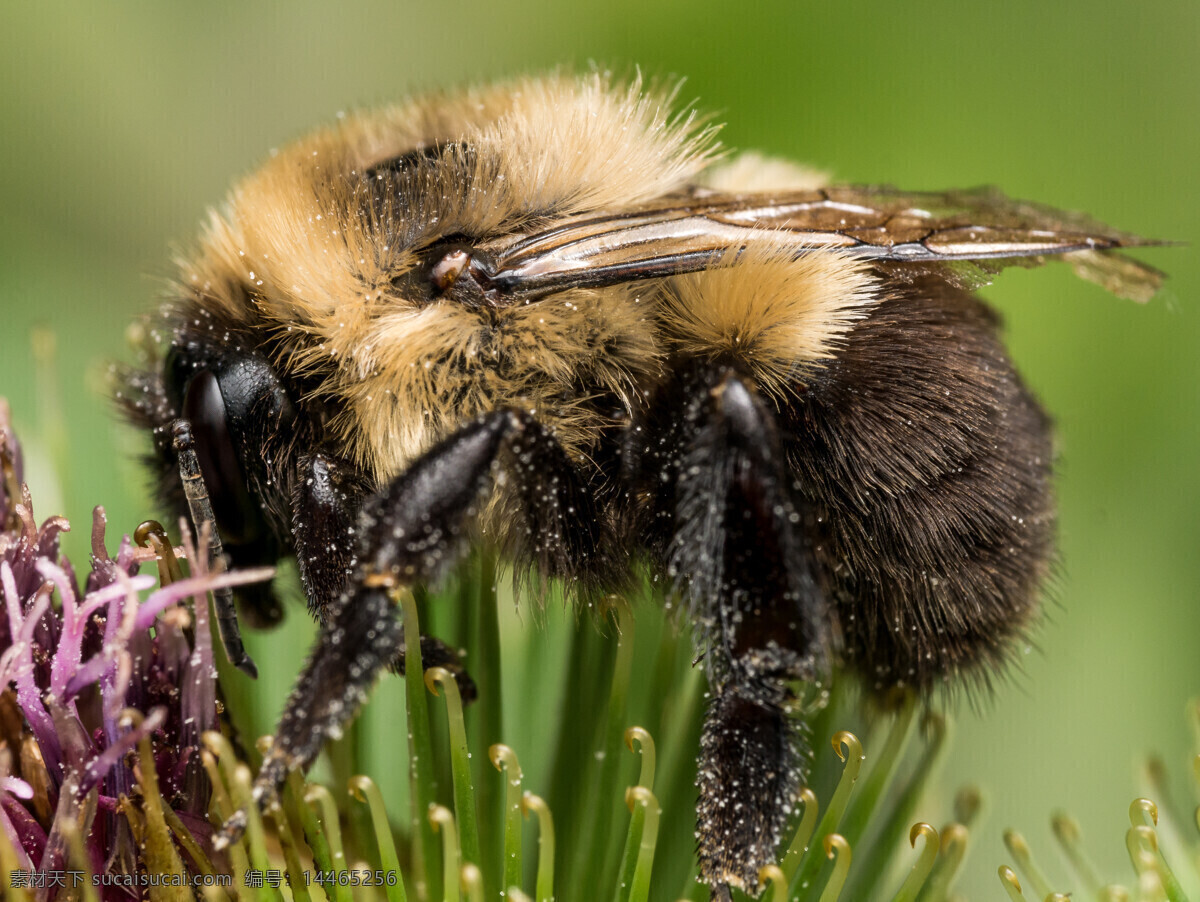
<point>410,532</point>
<point>326,502</point>
<point>733,545</point>
<point>436,653</point>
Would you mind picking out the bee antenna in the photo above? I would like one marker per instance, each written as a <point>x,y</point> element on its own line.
<point>202,514</point>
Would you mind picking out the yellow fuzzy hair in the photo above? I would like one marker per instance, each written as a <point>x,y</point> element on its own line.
<point>751,171</point>
<point>298,250</point>
<point>776,314</point>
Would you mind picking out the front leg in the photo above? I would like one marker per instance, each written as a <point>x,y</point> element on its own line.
<point>410,533</point>
<point>326,503</point>
<point>725,528</point>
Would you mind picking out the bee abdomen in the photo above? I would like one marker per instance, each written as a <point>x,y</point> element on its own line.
<point>928,474</point>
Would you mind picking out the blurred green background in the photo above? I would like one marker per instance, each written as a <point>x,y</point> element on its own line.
<point>121,123</point>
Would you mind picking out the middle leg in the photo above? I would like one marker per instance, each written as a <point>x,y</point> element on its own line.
<point>411,532</point>
<point>723,525</point>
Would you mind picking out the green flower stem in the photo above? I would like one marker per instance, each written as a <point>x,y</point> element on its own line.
<point>300,812</point>
<point>472,882</point>
<point>600,825</point>
<point>545,864</point>
<point>236,777</point>
<point>641,796</point>
<point>184,837</point>
<point>863,807</point>
<point>866,883</point>
<point>364,789</point>
<point>161,857</point>
<point>420,751</point>
<point>1144,813</point>
<point>442,820</point>
<point>693,889</point>
<point>953,851</point>
<point>505,760</point>
<point>460,763</point>
<point>485,718</point>
<point>1019,849</point>
<point>803,834</point>
<point>322,801</point>
<point>243,781</point>
<point>574,772</point>
<point>1066,831</point>
<point>911,888</point>
<point>810,863</point>
<point>346,758</point>
<point>841,866</point>
<point>226,808</point>
<point>638,818</point>
<point>678,740</point>
<point>291,857</point>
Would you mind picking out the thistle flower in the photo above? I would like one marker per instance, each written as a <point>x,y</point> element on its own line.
<point>113,766</point>
<point>83,683</point>
<point>590,820</point>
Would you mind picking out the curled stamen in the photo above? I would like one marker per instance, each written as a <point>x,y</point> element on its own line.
<point>472,882</point>
<point>1150,887</point>
<point>950,859</point>
<point>1143,812</point>
<point>968,802</point>
<point>79,860</point>
<point>1144,816</point>
<point>160,854</point>
<point>850,750</point>
<point>291,856</point>
<point>1066,830</point>
<point>639,889</point>
<point>545,865</point>
<point>841,866</point>
<point>773,875</point>
<point>505,759</point>
<point>460,761</point>
<point>230,814</point>
<point>637,821</point>
<point>152,534</point>
<point>420,741</point>
<point>646,746</point>
<point>1019,849</point>
<point>804,832</point>
<point>1012,886</point>
<point>861,810</point>
<point>364,789</point>
<point>1142,843</point>
<point>442,821</point>
<point>924,863</point>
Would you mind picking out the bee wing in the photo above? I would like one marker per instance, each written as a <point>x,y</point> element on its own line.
<point>899,229</point>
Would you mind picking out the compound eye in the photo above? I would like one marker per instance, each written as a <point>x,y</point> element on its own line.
<point>238,517</point>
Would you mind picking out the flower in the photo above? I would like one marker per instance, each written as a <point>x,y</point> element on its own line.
<point>114,766</point>
<point>109,669</point>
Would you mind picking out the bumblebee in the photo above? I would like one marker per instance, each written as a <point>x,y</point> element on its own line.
<point>553,317</point>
